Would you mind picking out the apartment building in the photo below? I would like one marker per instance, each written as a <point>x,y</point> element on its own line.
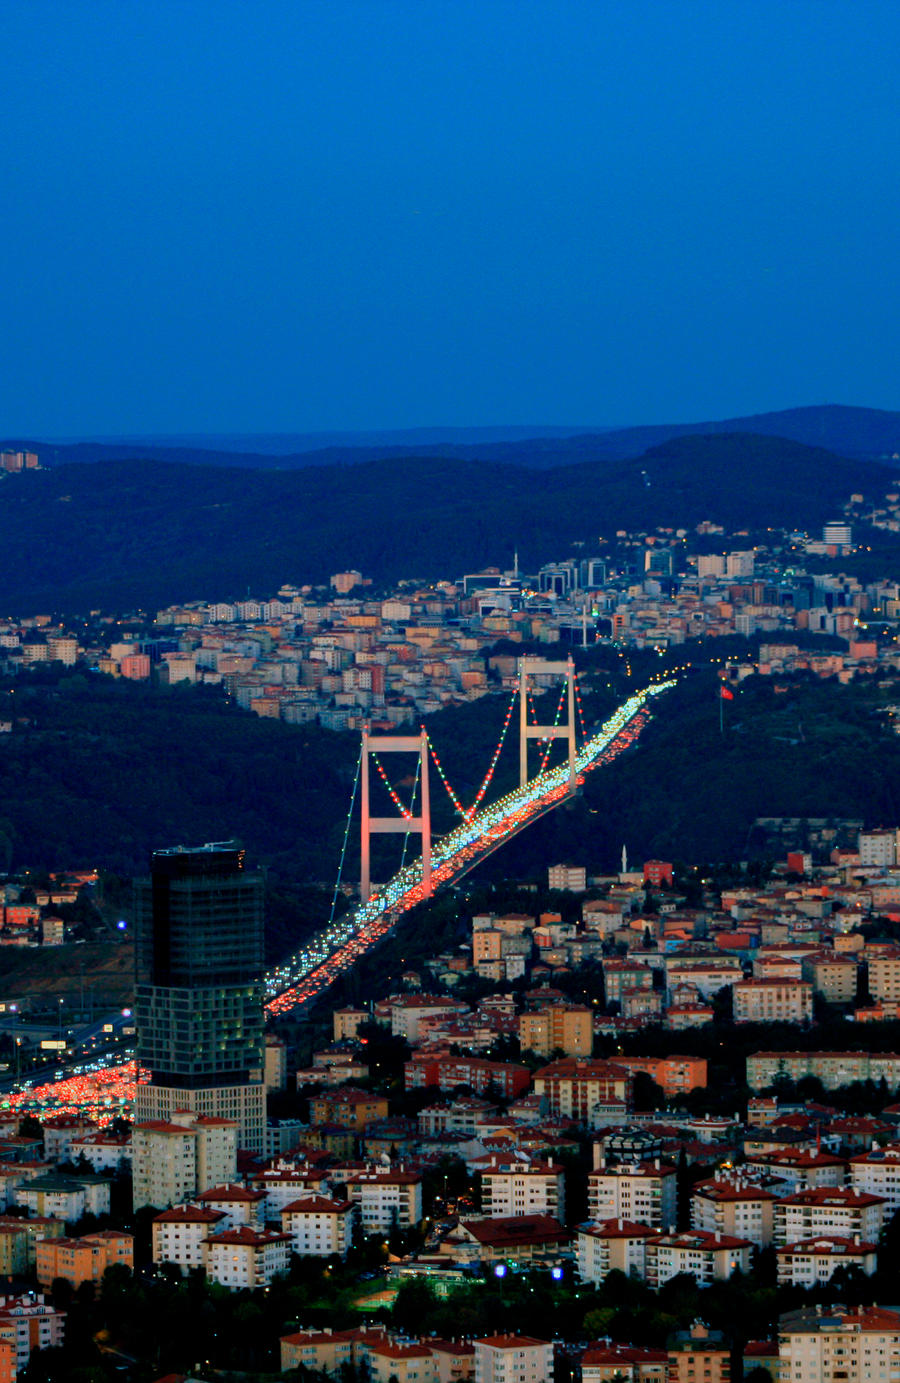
<point>884,975</point>
<point>387,1199</point>
<point>841,1211</point>
<point>562,1027</point>
<point>645,1192</point>
<point>402,1360</point>
<point>524,1188</point>
<point>814,1261</point>
<point>246,1257</point>
<point>736,1207</point>
<point>179,1235</point>
<point>708,1257</point>
<point>617,1244</point>
<point>772,1001</point>
<point>614,1363</point>
<point>676,1075</point>
<point>878,1173</point>
<point>838,1345</point>
<point>319,1226</point>
<point>833,1069</point>
<point>513,1359</point>
<point>575,1088</point>
<point>82,1260</point>
<point>176,1158</point>
<point>699,1353</point>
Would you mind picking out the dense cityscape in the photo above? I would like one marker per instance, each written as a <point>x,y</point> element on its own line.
<point>450,693</point>
<point>561,1140</point>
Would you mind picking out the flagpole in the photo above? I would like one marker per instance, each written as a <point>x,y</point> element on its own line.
<point>721,714</point>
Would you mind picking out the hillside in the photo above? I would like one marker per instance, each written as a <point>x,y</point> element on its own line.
<point>105,771</point>
<point>122,535</point>
<point>863,433</point>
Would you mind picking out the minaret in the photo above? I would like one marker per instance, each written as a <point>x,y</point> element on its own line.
<point>624,860</point>
<point>516,563</point>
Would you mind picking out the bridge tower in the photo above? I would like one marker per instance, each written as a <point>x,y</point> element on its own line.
<point>529,732</point>
<point>421,825</point>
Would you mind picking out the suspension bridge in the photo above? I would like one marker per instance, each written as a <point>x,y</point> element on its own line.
<point>481,829</point>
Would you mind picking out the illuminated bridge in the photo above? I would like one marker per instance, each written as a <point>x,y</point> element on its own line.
<point>310,971</point>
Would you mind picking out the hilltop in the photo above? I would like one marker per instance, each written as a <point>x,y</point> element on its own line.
<point>127,534</point>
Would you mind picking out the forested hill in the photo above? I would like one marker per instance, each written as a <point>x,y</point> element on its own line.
<point>864,433</point>
<point>121,535</point>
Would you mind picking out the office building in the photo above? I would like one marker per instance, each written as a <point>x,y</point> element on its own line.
<point>199,989</point>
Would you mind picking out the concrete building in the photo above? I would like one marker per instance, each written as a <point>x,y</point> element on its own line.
<point>707,1257</point>
<point>319,1226</point>
<point>839,1346</point>
<point>733,1205</point>
<point>179,1235</point>
<point>645,1192</point>
<point>387,1199</point>
<point>813,1261</point>
<point>246,1258</point>
<point>562,1027</point>
<point>699,1353</point>
<point>772,1001</point>
<point>617,1244</point>
<point>841,1211</point>
<point>82,1260</point>
<point>176,1159</point>
<point>524,1188</point>
<point>513,1359</point>
<point>575,1088</point>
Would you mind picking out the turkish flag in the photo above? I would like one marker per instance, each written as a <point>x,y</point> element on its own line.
<point>726,693</point>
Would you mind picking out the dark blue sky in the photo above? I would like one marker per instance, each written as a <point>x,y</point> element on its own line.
<point>310,214</point>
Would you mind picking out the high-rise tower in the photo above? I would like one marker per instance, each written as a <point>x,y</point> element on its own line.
<point>199,988</point>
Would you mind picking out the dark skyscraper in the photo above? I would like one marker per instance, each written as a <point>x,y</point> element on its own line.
<point>199,988</point>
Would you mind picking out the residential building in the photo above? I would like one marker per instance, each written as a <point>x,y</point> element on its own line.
<point>699,1353</point>
<point>319,1226</point>
<point>175,1159</point>
<point>837,1345</point>
<point>557,1027</point>
<point>676,1075</point>
<point>513,1359</point>
<point>317,1350</point>
<point>524,1188</point>
<point>833,1069</point>
<point>246,1257</point>
<point>733,1205</point>
<point>402,1360</point>
<point>772,1001</point>
<point>198,989</point>
<point>841,1211</point>
<point>179,1235</point>
<point>708,1257</point>
<point>82,1260</point>
<point>575,1088</point>
<point>607,1362</point>
<point>348,1107</point>
<point>645,1192</point>
<point>606,1245</point>
<point>813,1261</point>
<point>30,1322</point>
<point>506,1078</point>
<point>387,1198</point>
<point>878,1173</point>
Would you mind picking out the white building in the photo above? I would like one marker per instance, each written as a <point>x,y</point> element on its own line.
<point>179,1235</point>
<point>708,1257</point>
<point>644,1191</point>
<point>524,1188</point>
<point>841,1211</point>
<point>176,1158</point>
<point>812,1261</point>
<point>818,1345</point>
<point>319,1226</point>
<point>878,1173</point>
<point>387,1199</point>
<point>105,1151</point>
<point>513,1359</point>
<point>246,1257</point>
<point>608,1245</point>
<point>239,1204</point>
